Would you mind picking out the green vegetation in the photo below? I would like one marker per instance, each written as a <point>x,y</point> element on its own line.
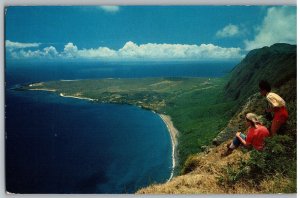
<point>276,64</point>
<point>199,115</point>
<point>195,105</point>
<point>200,108</point>
<point>276,162</point>
<point>270,171</point>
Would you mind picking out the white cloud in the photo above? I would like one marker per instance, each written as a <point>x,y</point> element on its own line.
<point>50,51</point>
<point>47,52</point>
<point>132,51</point>
<point>70,50</point>
<point>111,9</point>
<point>16,45</point>
<point>177,51</point>
<point>30,54</point>
<point>228,31</point>
<point>101,52</point>
<point>279,26</point>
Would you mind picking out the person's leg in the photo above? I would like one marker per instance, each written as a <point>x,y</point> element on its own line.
<point>234,144</point>
<point>280,118</point>
<point>275,126</point>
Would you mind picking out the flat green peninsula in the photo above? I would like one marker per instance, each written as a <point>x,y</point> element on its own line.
<point>195,105</point>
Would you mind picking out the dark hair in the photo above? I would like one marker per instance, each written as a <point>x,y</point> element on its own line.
<point>264,85</point>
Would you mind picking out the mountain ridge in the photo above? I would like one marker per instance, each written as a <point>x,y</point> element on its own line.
<point>275,64</point>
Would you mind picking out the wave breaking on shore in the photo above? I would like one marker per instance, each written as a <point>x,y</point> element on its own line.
<point>173,134</point>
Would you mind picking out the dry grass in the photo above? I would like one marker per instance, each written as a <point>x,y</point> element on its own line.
<point>276,184</point>
<point>202,180</point>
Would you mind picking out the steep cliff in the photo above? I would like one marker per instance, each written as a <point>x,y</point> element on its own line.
<point>271,171</point>
<point>276,64</point>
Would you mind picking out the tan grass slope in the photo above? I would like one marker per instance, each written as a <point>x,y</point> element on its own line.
<point>204,179</point>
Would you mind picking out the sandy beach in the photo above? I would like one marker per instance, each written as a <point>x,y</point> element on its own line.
<point>41,89</point>
<point>173,133</point>
<point>61,94</point>
<point>77,97</point>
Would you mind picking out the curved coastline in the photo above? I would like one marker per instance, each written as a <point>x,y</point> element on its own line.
<point>166,119</point>
<point>168,122</point>
<point>173,134</point>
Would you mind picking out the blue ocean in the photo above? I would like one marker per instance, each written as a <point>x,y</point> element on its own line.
<point>66,145</point>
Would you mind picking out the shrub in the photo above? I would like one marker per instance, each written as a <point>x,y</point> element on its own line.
<point>233,174</point>
<point>190,164</point>
<point>278,158</point>
<point>279,155</point>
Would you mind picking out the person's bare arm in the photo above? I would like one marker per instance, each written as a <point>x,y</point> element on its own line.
<point>242,140</point>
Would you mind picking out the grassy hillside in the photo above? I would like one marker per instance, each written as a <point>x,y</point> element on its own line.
<point>235,174</point>
<point>194,104</point>
<point>270,171</point>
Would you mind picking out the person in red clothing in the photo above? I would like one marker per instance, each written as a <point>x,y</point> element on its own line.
<point>255,137</point>
<point>278,106</point>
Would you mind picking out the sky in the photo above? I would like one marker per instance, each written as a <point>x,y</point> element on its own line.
<point>124,33</point>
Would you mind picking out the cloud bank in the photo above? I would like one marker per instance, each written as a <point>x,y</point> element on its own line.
<point>133,51</point>
<point>16,45</point>
<point>228,31</point>
<point>279,26</point>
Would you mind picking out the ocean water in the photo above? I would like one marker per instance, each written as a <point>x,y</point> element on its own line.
<point>65,145</point>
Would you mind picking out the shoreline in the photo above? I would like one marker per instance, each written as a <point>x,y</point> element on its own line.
<point>166,119</point>
<point>173,135</point>
<point>41,89</point>
<point>61,94</point>
<point>77,97</point>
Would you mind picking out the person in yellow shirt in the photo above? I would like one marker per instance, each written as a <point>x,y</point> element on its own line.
<point>278,106</point>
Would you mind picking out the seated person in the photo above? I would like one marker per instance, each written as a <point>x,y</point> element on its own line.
<point>255,137</point>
